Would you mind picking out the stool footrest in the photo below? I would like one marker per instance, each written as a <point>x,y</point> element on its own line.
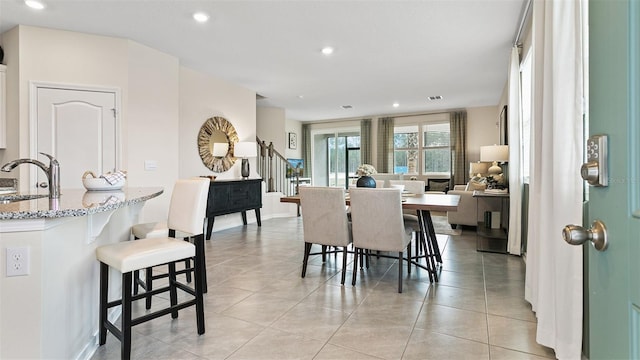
<point>163,312</point>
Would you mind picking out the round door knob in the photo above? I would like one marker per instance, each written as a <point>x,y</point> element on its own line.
<point>577,235</point>
<point>43,185</point>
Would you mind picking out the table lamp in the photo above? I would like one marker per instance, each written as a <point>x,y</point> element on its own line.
<point>245,149</point>
<point>495,154</point>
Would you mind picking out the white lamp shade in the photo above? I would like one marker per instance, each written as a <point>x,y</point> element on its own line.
<point>220,149</point>
<point>245,149</point>
<point>497,153</point>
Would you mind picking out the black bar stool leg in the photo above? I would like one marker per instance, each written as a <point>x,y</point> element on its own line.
<point>126,317</point>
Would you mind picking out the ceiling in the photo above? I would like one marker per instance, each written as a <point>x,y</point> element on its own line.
<point>384,51</point>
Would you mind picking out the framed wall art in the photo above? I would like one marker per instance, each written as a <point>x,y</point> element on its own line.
<point>293,140</point>
<point>504,134</point>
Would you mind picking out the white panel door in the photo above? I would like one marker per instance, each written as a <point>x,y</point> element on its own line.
<point>79,129</point>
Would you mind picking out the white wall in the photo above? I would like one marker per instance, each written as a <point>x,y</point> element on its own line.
<point>482,129</point>
<point>150,123</point>
<point>202,97</point>
<point>271,126</point>
<point>160,99</point>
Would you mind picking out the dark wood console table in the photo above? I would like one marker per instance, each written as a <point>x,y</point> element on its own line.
<point>232,196</point>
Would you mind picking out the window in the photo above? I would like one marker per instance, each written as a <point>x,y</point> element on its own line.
<point>422,148</point>
<point>343,159</point>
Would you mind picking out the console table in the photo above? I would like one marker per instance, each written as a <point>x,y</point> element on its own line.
<point>232,196</point>
<point>490,239</point>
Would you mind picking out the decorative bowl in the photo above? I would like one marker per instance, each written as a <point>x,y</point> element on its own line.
<point>93,183</point>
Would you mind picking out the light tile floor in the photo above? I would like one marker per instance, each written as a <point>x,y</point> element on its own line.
<point>258,306</point>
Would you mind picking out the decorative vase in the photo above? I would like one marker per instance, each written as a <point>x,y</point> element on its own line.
<point>366,181</point>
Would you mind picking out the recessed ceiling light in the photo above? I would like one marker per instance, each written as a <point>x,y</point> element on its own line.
<point>34,4</point>
<point>347,107</point>
<point>327,50</point>
<point>300,96</point>
<point>200,17</point>
<point>438,97</point>
<point>395,104</point>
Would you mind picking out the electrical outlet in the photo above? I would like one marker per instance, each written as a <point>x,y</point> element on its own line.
<point>17,261</point>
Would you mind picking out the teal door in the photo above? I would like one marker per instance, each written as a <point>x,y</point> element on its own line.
<point>613,293</point>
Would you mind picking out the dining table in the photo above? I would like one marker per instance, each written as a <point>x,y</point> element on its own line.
<point>423,204</point>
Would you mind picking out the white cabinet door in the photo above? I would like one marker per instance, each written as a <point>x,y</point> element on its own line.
<point>79,129</point>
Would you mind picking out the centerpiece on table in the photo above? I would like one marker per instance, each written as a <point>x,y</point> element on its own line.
<point>364,172</point>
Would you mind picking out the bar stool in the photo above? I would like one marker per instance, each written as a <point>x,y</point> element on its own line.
<point>190,197</point>
<point>160,230</point>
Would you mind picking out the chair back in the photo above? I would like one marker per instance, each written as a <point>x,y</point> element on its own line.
<point>411,186</point>
<point>376,219</point>
<point>324,216</point>
<point>188,205</point>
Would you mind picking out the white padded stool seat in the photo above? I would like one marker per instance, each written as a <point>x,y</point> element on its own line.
<point>143,253</point>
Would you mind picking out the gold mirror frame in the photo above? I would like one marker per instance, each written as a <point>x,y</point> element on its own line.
<point>211,128</point>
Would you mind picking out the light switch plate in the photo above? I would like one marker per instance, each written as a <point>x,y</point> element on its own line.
<point>150,165</point>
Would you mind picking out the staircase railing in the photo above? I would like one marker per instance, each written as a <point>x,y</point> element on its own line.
<point>276,170</point>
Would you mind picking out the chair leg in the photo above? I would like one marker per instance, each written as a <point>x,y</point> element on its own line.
<point>305,259</point>
<point>173,293</point>
<point>400,272</point>
<point>344,264</point>
<point>125,344</point>
<point>200,282</point>
<point>149,286</point>
<point>408,259</point>
<point>324,253</point>
<point>187,264</point>
<point>104,291</point>
<point>355,267</point>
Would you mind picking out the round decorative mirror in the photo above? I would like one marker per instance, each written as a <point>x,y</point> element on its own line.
<point>215,144</point>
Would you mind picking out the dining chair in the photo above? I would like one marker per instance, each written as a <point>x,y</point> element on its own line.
<point>189,203</point>
<point>324,222</point>
<point>410,217</point>
<point>377,224</point>
<point>162,229</point>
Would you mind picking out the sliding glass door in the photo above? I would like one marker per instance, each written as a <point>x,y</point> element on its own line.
<point>335,156</point>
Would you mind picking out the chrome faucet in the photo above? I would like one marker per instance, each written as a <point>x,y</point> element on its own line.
<point>52,171</point>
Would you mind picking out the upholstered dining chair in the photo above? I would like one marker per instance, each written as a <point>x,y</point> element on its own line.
<point>377,224</point>
<point>410,218</point>
<point>324,222</point>
<point>188,208</point>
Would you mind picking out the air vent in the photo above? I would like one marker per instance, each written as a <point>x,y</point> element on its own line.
<point>347,107</point>
<point>438,97</point>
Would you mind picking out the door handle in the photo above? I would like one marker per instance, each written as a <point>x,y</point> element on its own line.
<point>577,235</point>
<point>43,185</point>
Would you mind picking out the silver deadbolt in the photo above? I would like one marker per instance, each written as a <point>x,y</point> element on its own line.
<point>577,235</point>
<point>595,171</point>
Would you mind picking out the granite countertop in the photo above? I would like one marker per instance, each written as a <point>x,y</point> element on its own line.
<point>76,202</point>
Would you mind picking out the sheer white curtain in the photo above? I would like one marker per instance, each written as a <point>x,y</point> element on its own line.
<point>554,268</point>
<point>515,173</point>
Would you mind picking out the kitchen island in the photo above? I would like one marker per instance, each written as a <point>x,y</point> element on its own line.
<point>52,312</point>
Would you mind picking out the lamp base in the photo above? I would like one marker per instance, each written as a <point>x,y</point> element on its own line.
<point>244,170</point>
<point>495,169</point>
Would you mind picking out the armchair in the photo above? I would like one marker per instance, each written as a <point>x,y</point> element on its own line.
<point>470,210</point>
